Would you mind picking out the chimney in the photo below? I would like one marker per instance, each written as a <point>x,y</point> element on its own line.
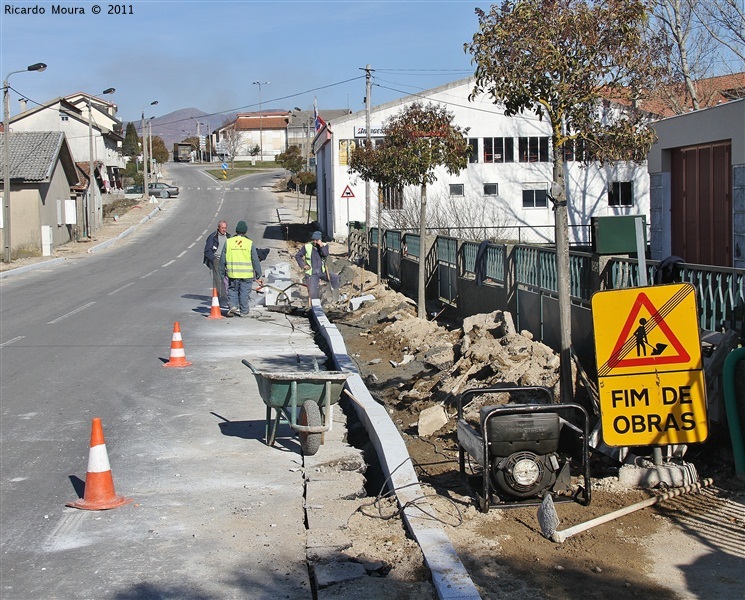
<point>22,102</point>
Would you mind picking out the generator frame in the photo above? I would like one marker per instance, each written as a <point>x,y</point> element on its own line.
<point>476,443</point>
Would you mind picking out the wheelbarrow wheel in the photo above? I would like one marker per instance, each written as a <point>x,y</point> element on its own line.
<point>310,415</point>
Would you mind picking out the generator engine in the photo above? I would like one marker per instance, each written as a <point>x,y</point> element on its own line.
<point>524,454</point>
<point>519,452</point>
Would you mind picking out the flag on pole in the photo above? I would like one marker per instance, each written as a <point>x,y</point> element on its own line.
<point>316,117</point>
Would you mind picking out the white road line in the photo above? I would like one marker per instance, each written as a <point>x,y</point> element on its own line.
<point>204,232</point>
<point>9,342</point>
<point>170,262</point>
<point>180,255</point>
<point>120,289</point>
<point>190,246</point>
<point>72,312</point>
<point>150,273</point>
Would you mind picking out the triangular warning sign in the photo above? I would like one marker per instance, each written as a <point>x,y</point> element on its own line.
<point>347,193</point>
<point>633,348</point>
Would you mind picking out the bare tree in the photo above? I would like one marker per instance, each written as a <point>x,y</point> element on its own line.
<point>693,52</point>
<point>724,20</point>
<point>232,143</point>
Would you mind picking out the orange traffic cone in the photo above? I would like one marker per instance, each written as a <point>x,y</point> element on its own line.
<point>99,484</point>
<point>215,310</point>
<point>178,357</point>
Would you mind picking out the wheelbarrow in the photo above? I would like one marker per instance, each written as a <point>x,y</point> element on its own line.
<point>302,399</point>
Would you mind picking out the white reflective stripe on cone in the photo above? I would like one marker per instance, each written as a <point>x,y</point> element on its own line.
<point>98,459</point>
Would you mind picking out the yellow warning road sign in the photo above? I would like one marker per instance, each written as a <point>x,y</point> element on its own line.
<point>650,372</point>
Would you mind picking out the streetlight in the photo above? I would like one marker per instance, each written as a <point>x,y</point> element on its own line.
<point>150,136</point>
<point>91,212</point>
<point>6,157</point>
<point>261,130</point>
<point>144,151</point>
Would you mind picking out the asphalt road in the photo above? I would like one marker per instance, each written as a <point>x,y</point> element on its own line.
<point>215,512</point>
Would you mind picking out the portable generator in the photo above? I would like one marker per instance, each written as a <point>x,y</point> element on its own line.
<point>521,452</point>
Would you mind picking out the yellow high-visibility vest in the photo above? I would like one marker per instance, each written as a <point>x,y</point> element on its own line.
<point>238,264</point>
<point>308,252</point>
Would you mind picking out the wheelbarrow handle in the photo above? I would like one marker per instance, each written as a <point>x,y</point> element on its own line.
<point>250,366</point>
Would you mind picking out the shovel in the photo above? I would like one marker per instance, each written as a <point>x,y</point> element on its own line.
<point>549,520</point>
<point>657,349</point>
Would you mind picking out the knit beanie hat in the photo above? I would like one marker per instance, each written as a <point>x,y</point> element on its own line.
<point>241,227</point>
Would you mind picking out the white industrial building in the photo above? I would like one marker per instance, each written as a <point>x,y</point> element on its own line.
<point>503,187</point>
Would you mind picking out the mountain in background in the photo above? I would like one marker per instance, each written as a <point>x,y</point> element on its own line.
<point>181,124</point>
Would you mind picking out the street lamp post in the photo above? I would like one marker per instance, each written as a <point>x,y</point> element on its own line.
<point>150,137</point>
<point>6,157</point>
<point>144,151</point>
<point>91,208</point>
<point>261,130</point>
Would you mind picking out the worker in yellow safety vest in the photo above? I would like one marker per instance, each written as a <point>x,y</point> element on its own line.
<point>311,257</point>
<point>242,266</point>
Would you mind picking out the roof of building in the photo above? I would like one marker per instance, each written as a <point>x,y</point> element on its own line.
<point>711,91</point>
<point>263,120</point>
<point>33,155</point>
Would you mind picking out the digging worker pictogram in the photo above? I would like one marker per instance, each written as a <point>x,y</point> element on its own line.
<point>312,259</point>
<point>241,263</point>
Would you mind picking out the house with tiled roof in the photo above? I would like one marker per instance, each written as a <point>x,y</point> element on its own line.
<point>710,91</point>
<point>44,210</point>
<point>264,134</point>
<point>70,115</point>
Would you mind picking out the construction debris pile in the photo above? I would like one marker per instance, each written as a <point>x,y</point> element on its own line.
<point>437,362</point>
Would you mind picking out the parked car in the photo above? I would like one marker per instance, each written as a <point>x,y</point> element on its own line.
<point>162,190</point>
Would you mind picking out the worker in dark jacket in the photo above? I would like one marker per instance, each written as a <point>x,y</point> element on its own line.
<point>312,259</point>
<point>213,251</point>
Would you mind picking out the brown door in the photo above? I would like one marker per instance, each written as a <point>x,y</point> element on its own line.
<point>701,204</point>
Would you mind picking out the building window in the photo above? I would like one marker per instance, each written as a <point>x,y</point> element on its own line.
<point>473,150</point>
<point>392,198</point>
<point>499,150</point>
<point>533,149</point>
<point>64,117</point>
<point>491,189</point>
<point>456,189</point>
<point>535,198</point>
<point>621,193</point>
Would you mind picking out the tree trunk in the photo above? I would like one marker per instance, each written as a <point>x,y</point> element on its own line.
<point>563,283</point>
<point>421,311</point>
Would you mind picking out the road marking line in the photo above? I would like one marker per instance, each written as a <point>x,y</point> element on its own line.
<point>71,313</point>
<point>9,342</point>
<point>184,252</point>
<point>120,289</point>
<point>190,246</point>
<point>150,273</point>
<point>170,262</point>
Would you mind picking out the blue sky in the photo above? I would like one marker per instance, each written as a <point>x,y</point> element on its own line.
<point>206,54</point>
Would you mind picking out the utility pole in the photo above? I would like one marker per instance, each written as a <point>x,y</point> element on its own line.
<point>144,153</point>
<point>368,140</point>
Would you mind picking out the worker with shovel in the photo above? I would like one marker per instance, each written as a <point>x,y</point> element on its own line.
<point>311,257</point>
<point>640,333</point>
